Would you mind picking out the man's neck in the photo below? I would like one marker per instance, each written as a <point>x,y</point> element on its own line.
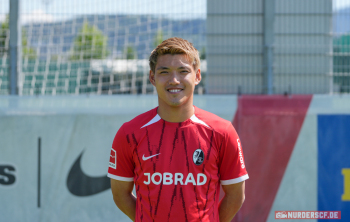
<point>175,114</point>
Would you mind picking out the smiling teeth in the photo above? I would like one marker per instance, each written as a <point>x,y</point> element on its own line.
<point>174,90</point>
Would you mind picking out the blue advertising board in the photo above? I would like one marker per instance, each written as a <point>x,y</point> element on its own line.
<point>334,164</point>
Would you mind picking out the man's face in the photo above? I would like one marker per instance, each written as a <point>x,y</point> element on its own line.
<point>175,80</point>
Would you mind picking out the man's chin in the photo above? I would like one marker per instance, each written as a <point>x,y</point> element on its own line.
<point>176,103</point>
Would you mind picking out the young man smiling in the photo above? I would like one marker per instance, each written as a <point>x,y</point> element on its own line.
<point>177,155</point>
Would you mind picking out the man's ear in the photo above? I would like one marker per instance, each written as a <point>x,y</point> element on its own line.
<point>151,78</point>
<point>198,76</point>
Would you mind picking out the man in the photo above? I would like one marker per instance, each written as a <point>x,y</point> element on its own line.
<point>177,154</point>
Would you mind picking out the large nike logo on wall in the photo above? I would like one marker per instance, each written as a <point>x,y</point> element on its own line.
<point>80,184</point>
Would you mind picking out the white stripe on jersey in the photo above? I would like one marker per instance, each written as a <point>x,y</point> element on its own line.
<point>237,180</point>
<point>154,120</point>
<point>196,120</point>
<point>120,178</point>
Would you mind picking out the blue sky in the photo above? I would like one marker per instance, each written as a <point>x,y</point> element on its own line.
<point>338,4</point>
<point>60,9</point>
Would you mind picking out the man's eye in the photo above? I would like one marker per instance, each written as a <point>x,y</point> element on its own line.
<point>184,71</point>
<point>163,72</point>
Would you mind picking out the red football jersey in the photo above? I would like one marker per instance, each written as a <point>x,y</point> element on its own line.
<point>177,168</point>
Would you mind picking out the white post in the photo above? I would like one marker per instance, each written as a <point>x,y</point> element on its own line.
<point>269,38</point>
<point>15,86</point>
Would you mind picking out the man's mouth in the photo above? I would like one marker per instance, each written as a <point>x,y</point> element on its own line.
<point>174,90</point>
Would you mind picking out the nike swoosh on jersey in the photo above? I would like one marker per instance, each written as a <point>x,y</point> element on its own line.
<point>149,157</point>
<point>80,184</point>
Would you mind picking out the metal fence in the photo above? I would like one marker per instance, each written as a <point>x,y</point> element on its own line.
<point>95,47</point>
<point>341,46</point>
<point>246,46</point>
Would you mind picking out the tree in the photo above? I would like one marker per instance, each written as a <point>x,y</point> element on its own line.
<point>158,38</point>
<point>341,62</point>
<point>90,44</point>
<point>4,32</point>
<point>203,54</point>
<point>27,52</point>
<point>130,53</point>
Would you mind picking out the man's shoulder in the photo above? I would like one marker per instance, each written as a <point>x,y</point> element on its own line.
<point>139,121</point>
<point>215,122</point>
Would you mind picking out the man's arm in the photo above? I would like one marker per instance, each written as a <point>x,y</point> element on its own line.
<point>124,198</point>
<point>232,201</point>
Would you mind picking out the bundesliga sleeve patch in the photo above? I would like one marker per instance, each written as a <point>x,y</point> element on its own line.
<point>113,159</point>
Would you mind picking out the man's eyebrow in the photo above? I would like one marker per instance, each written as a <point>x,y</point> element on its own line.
<point>167,68</point>
<point>162,67</point>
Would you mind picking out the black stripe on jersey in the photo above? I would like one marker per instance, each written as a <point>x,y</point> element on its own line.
<point>172,201</point>
<point>159,146</point>
<point>138,158</point>
<point>218,162</point>
<point>206,195</point>
<point>183,203</point>
<point>128,140</point>
<point>211,143</point>
<point>159,193</point>
<point>148,144</point>
<point>138,186</point>
<point>174,143</point>
<point>222,141</point>
<point>149,201</point>
<point>198,136</point>
<point>216,188</point>
<point>185,146</point>
<point>199,216</point>
<point>161,139</point>
<point>154,167</point>
<point>137,176</point>
<point>210,147</point>
<point>149,191</point>
<point>134,139</point>
<point>141,205</point>
<point>139,196</point>
<point>194,188</point>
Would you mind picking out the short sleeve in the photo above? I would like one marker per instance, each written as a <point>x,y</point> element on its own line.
<point>121,166</point>
<point>232,166</point>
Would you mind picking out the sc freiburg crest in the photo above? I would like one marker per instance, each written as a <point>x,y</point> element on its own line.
<point>198,157</point>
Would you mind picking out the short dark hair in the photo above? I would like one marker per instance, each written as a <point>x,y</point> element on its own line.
<point>173,46</point>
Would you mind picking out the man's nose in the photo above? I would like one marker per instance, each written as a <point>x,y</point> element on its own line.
<point>174,78</point>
